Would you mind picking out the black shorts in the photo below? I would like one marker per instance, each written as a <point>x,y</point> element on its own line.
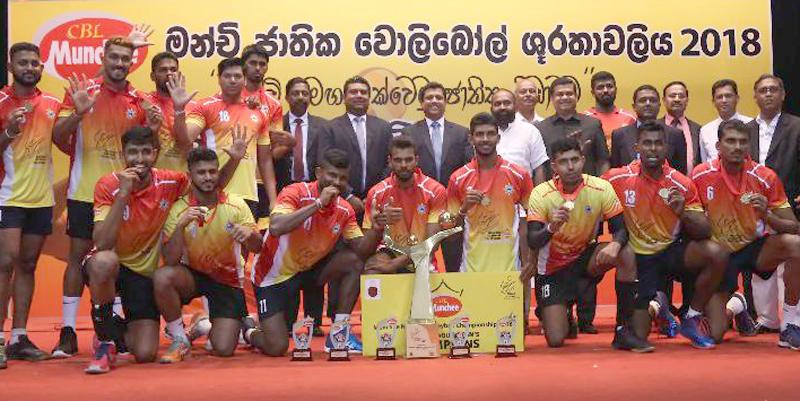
<point>655,271</point>
<point>33,220</point>
<point>276,298</point>
<point>223,301</point>
<point>262,209</point>
<point>136,292</point>
<point>561,287</point>
<point>80,219</point>
<point>743,260</point>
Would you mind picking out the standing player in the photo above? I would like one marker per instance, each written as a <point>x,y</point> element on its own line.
<point>564,219</point>
<point>307,221</point>
<point>204,233</point>
<point>659,204</point>
<point>27,116</point>
<point>90,124</point>
<point>743,200</point>
<point>411,201</point>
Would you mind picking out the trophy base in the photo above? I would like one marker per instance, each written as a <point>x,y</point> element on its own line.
<point>301,355</point>
<point>338,355</point>
<point>385,354</point>
<point>506,351</point>
<point>422,340</point>
<point>460,353</point>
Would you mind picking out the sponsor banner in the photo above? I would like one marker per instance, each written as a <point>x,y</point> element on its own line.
<point>483,297</point>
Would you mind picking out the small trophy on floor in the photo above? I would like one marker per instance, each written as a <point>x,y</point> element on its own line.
<point>505,328</point>
<point>340,333</point>
<point>386,332</point>
<point>459,333</point>
<point>301,336</point>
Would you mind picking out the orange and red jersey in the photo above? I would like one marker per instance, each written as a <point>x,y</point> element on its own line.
<point>270,106</point>
<point>170,156</point>
<point>617,118</point>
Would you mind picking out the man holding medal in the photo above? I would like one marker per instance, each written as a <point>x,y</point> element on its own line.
<point>752,219</point>
<point>659,205</point>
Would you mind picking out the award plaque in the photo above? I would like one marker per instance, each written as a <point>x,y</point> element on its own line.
<point>301,336</point>
<point>386,332</point>
<point>340,333</point>
<point>459,333</point>
<point>505,328</point>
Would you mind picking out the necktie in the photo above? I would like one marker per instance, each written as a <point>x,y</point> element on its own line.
<point>687,135</point>
<point>361,135</point>
<point>298,162</point>
<point>436,141</point>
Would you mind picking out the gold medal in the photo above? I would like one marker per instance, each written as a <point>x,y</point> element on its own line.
<point>146,105</point>
<point>664,193</point>
<point>413,240</point>
<point>485,201</point>
<point>28,107</point>
<point>747,197</point>
<point>569,205</point>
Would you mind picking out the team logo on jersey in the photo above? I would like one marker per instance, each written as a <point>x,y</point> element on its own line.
<point>587,209</point>
<point>421,208</point>
<point>163,204</point>
<point>51,114</point>
<point>336,228</point>
<point>265,109</point>
<point>130,113</point>
<point>509,189</point>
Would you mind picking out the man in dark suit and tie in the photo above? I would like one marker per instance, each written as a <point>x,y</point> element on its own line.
<point>365,138</point>
<point>646,104</point>
<point>442,147</point>
<point>676,99</point>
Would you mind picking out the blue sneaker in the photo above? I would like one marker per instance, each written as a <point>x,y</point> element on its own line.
<point>743,321</point>
<point>790,338</point>
<point>354,345</point>
<point>665,321</point>
<point>696,330</point>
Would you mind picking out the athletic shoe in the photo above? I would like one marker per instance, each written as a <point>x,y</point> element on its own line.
<point>103,359</point>
<point>67,344</point>
<point>573,328</point>
<point>177,351</point>
<point>626,340</point>
<point>25,350</point>
<point>587,328</point>
<point>762,329</point>
<point>248,323</point>
<point>745,324</point>
<point>790,338</point>
<point>199,326</point>
<point>354,345</point>
<point>696,330</point>
<point>665,320</point>
<point>3,363</point>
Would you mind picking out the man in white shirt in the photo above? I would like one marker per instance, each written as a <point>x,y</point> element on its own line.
<point>725,97</point>
<point>527,96</point>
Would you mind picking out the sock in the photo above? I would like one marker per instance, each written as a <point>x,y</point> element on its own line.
<point>341,317</point>
<point>790,314</point>
<point>176,330</point>
<point>69,310</point>
<point>15,334</point>
<point>692,313</point>
<point>626,298</point>
<point>118,307</point>
<point>105,326</point>
<point>735,306</point>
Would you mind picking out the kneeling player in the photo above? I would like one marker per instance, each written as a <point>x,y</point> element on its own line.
<point>308,220</point>
<point>204,234</point>
<point>659,202</point>
<point>743,200</point>
<point>565,215</point>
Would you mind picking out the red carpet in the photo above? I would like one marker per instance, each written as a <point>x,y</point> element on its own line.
<point>586,369</point>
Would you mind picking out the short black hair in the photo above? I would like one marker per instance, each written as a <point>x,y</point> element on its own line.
<point>23,47</point>
<point>723,83</point>
<point>732,125</point>
<point>672,83</point>
<point>650,126</point>
<point>562,81</point>
<point>294,81</point>
<point>429,86</point>
<point>562,145</point>
<point>162,56</point>
<point>201,154</point>
<point>402,142</point>
<point>482,118</point>
<point>356,79</point>
<point>602,76</point>
<point>229,63</point>
<point>335,158</point>
<point>256,49</point>
<point>140,135</point>
<point>499,90</point>
<point>645,87</point>
<point>768,76</point>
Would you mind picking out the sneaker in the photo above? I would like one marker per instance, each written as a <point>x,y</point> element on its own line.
<point>248,323</point>
<point>696,330</point>
<point>587,328</point>
<point>67,344</point>
<point>354,345</point>
<point>199,326</point>
<point>103,360</point>
<point>790,338</point>
<point>177,351</point>
<point>626,340</point>
<point>3,363</point>
<point>744,323</point>
<point>762,329</point>
<point>665,320</point>
<point>25,350</point>
<point>573,328</point>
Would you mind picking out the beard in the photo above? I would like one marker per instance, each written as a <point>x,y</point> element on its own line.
<point>28,80</point>
<point>505,117</point>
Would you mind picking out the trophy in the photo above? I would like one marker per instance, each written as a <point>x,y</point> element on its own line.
<point>505,336</point>
<point>386,332</point>
<point>459,332</point>
<point>301,336</point>
<point>422,334</point>
<point>340,333</point>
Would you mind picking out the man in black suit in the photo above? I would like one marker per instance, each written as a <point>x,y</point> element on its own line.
<point>442,147</point>
<point>364,138</point>
<point>676,99</point>
<point>646,103</point>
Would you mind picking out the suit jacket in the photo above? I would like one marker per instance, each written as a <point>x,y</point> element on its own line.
<point>694,129</point>
<point>456,150</point>
<point>283,166</point>
<point>623,139</point>
<point>339,134</point>
<point>784,152</point>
